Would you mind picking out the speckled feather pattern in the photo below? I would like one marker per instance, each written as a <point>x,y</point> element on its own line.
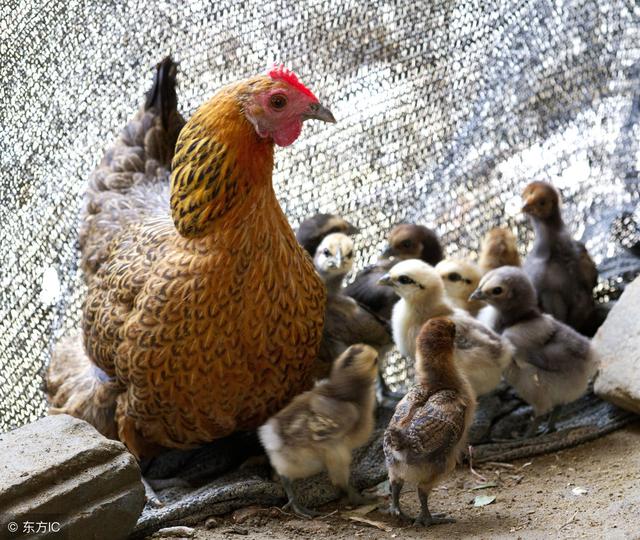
<point>210,323</point>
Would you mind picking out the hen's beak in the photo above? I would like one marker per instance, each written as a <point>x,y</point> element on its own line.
<point>316,111</point>
<point>386,280</point>
<point>478,294</point>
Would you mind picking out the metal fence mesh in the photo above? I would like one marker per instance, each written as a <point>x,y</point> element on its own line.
<point>446,109</point>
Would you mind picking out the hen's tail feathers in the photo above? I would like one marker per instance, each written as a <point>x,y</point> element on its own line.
<point>132,181</point>
<point>77,387</point>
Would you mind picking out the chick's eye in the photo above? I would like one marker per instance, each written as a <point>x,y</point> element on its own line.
<point>349,255</point>
<point>405,280</point>
<point>278,101</point>
<point>326,253</point>
<point>454,276</point>
<point>405,243</point>
<point>496,290</point>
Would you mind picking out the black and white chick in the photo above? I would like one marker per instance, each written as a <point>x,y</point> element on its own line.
<point>346,322</point>
<point>405,241</point>
<point>480,352</point>
<point>312,230</point>
<point>320,428</point>
<point>562,272</point>
<point>428,430</point>
<point>461,277</point>
<point>552,363</point>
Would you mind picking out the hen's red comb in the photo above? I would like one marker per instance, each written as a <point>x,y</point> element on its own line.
<point>279,72</point>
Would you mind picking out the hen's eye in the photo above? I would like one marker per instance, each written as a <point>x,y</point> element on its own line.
<point>405,280</point>
<point>326,253</point>
<point>496,290</point>
<point>278,101</point>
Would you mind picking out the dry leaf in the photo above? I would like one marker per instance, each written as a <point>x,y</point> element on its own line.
<point>364,510</point>
<point>483,500</point>
<point>484,486</point>
<point>377,524</point>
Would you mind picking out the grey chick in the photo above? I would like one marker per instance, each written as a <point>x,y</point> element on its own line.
<point>480,352</point>
<point>320,428</point>
<point>405,241</point>
<point>562,272</point>
<point>428,431</point>
<point>312,230</point>
<point>553,363</point>
<point>346,322</point>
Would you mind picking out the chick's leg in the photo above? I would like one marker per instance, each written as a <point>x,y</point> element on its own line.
<point>338,464</point>
<point>532,431</point>
<point>394,508</point>
<point>293,504</point>
<point>426,518</point>
<point>553,417</point>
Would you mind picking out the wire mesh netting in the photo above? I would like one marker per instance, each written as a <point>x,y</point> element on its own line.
<point>445,109</point>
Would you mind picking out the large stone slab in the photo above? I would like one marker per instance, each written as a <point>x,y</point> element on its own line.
<point>59,471</point>
<point>618,346</point>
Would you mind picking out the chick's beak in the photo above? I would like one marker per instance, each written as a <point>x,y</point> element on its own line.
<point>527,206</point>
<point>388,252</point>
<point>478,294</point>
<point>386,280</point>
<point>316,111</point>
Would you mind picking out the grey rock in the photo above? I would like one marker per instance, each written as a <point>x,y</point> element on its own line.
<point>60,469</point>
<point>617,344</point>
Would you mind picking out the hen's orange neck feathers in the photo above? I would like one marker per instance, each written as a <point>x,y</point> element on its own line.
<point>219,161</point>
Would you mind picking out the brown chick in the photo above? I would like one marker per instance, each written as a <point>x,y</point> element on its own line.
<point>560,267</point>
<point>499,248</point>
<point>428,430</point>
<point>313,230</point>
<point>319,429</point>
<point>405,241</point>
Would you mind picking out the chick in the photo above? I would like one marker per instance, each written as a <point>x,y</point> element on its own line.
<point>552,363</point>
<point>410,241</point>
<point>480,353</point>
<point>460,278</point>
<point>312,230</point>
<point>333,259</point>
<point>346,322</point>
<point>319,429</point>
<point>499,248</point>
<point>405,241</point>
<point>428,430</point>
<point>560,268</point>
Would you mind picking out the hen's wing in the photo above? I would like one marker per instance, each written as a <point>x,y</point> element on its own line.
<point>132,180</point>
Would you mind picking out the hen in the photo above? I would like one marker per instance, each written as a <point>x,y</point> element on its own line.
<point>202,310</point>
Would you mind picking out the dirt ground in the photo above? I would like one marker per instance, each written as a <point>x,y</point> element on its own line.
<point>591,491</point>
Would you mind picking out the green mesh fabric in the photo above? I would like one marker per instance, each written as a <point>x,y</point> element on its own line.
<point>445,109</point>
